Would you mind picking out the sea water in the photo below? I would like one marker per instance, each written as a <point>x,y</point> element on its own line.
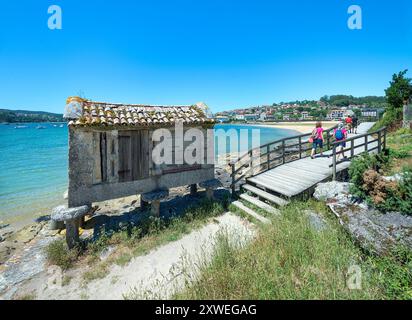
<point>34,162</point>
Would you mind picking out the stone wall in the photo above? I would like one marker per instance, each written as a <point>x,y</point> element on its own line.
<point>407,116</point>
<point>85,183</point>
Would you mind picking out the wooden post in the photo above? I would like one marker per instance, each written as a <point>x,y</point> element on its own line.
<point>300,147</point>
<point>268,154</point>
<point>283,152</point>
<point>352,149</point>
<point>379,141</point>
<point>328,139</point>
<point>233,187</point>
<point>366,143</point>
<point>334,163</point>
<point>251,162</point>
<point>384,139</point>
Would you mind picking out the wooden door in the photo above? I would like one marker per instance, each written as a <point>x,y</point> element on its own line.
<point>133,155</point>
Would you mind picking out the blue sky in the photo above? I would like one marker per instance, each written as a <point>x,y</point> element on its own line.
<point>226,53</point>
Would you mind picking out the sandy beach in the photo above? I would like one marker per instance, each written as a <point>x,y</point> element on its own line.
<point>302,127</point>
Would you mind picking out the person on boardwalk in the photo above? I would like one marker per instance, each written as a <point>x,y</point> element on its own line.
<point>340,134</point>
<point>348,121</point>
<point>355,123</point>
<point>317,139</point>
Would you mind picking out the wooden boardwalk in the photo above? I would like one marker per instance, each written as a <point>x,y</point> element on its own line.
<point>294,178</point>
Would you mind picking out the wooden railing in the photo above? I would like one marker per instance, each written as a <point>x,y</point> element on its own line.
<point>360,141</point>
<point>274,154</point>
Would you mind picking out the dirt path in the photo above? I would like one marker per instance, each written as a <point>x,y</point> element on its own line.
<point>155,275</point>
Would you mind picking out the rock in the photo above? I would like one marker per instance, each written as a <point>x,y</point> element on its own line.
<point>27,234</point>
<point>31,262</point>
<point>3,226</point>
<point>316,221</point>
<point>331,190</point>
<point>374,231</point>
<point>62,213</point>
<point>396,178</point>
<point>106,252</point>
<point>1,239</point>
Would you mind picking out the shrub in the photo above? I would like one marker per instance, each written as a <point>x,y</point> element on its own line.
<point>369,185</point>
<point>58,254</point>
<point>358,168</point>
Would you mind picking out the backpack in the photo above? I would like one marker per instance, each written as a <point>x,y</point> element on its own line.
<point>314,135</point>
<point>339,134</point>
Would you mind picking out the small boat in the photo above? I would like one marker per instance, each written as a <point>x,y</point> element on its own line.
<point>62,126</point>
<point>40,127</point>
<point>20,127</point>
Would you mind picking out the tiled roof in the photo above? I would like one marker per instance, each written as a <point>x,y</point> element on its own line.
<point>91,113</point>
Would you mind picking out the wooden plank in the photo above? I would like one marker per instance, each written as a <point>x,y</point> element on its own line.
<point>266,195</point>
<point>274,187</point>
<point>315,175</point>
<point>103,156</point>
<point>250,212</point>
<point>288,181</point>
<point>260,204</point>
<point>145,160</point>
<point>295,178</point>
<point>125,170</point>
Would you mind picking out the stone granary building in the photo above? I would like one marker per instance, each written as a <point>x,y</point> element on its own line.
<point>111,147</point>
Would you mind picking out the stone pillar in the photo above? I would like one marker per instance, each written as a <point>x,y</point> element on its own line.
<point>143,204</point>
<point>209,193</point>
<point>193,189</point>
<point>72,233</point>
<point>155,210</point>
<point>56,225</point>
<point>407,115</point>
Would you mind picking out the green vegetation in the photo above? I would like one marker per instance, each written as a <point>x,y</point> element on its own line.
<point>132,241</point>
<point>291,260</point>
<point>13,116</point>
<point>366,175</point>
<point>342,100</point>
<point>58,254</point>
<point>399,91</point>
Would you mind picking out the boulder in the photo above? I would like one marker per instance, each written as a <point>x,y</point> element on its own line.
<point>62,213</point>
<point>375,231</point>
<point>331,190</point>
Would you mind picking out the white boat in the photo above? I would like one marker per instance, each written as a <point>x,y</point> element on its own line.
<point>41,127</point>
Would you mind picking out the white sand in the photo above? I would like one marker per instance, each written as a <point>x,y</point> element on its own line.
<point>302,127</point>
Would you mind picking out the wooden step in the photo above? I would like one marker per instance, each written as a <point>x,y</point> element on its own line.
<point>261,193</point>
<point>285,190</point>
<point>260,204</point>
<point>250,212</point>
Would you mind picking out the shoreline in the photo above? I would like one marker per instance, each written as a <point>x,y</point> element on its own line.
<point>300,127</point>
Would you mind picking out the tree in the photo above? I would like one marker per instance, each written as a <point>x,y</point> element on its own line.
<point>399,91</point>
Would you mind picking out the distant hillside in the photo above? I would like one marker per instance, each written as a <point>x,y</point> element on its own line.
<point>342,100</point>
<point>13,116</point>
